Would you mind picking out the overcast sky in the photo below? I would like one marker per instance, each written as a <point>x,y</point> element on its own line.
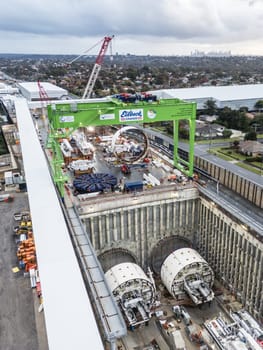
<point>155,27</point>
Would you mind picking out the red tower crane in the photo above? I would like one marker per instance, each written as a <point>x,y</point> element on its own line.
<point>42,92</point>
<point>43,97</point>
<point>96,67</point>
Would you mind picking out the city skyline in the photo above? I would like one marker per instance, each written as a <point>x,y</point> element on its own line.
<point>168,27</point>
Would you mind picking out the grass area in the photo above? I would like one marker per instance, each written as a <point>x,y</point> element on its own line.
<point>249,167</point>
<point>232,154</point>
<point>206,142</point>
<point>225,157</point>
<point>223,154</point>
<point>220,155</point>
<point>258,164</point>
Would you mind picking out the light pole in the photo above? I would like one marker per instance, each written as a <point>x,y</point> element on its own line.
<point>210,139</point>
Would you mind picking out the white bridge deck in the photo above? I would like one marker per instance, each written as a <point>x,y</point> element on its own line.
<point>69,317</point>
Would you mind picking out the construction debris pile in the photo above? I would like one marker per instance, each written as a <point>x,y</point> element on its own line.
<point>26,250</point>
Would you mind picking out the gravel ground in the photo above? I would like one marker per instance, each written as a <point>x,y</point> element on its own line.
<point>21,326</point>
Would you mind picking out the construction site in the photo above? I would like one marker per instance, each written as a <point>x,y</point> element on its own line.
<point>151,253</point>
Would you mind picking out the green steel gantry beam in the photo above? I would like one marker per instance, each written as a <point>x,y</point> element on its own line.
<point>65,117</point>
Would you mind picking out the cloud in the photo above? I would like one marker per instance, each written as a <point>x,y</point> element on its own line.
<point>197,21</point>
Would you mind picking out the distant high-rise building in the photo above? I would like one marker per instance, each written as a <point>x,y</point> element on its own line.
<point>197,53</point>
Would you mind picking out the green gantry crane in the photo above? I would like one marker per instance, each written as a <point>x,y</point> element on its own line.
<point>67,116</point>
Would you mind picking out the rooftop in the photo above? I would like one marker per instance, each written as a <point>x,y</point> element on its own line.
<point>31,90</point>
<point>33,87</point>
<point>221,93</point>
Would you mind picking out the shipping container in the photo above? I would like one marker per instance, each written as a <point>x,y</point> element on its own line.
<point>133,186</point>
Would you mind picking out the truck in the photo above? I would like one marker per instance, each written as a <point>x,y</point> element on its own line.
<point>125,169</point>
<point>8,178</point>
<point>6,198</point>
<point>177,340</point>
<point>172,335</point>
<point>133,186</point>
<point>177,312</point>
<point>194,334</point>
<point>185,316</point>
<point>179,175</point>
<point>181,314</point>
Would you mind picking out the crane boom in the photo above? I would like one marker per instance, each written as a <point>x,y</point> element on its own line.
<point>86,51</point>
<point>103,49</point>
<point>44,98</point>
<point>97,67</point>
<point>42,92</point>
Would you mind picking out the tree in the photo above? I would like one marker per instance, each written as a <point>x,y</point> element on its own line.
<point>132,73</point>
<point>227,133</point>
<point>251,135</point>
<point>259,105</point>
<point>243,122</point>
<point>184,133</point>
<point>170,128</point>
<point>235,144</point>
<point>233,119</point>
<point>257,122</point>
<point>210,107</point>
<point>243,109</point>
<point>161,78</point>
<point>224,116</point>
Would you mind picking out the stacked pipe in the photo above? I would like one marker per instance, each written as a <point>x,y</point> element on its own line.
<point>26,250</point>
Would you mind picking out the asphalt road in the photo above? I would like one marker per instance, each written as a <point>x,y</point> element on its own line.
<point>250,214</point>
<point>21,326</point>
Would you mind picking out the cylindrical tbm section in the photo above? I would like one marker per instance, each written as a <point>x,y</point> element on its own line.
<point>132,289</point>
<point>185,267</point>
<point>115,256</point>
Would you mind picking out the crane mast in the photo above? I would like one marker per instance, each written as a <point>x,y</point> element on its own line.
<point>97,67</point>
